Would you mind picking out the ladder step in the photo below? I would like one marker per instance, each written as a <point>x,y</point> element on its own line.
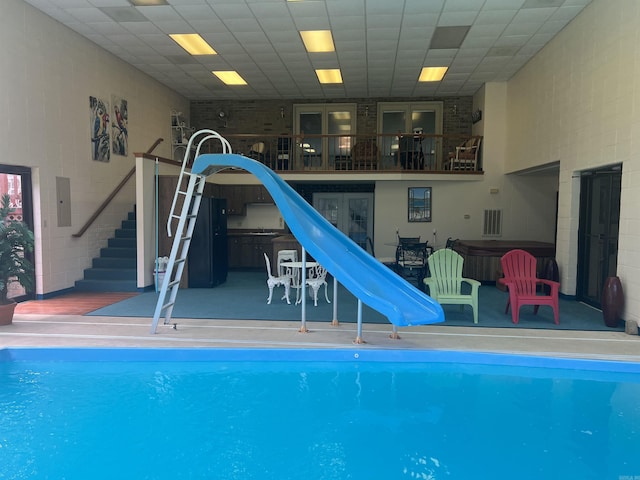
<point>167,305</point>
<point>180,260</point>
<point>175,282</point>
<point>186,238</point>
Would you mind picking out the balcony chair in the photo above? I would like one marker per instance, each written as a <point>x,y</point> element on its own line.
<point>446,281</point>
<point>410,154</point>
<point>364,155</point>
<point>257,151</point>
<point>465,157</point>
<point>283,280</point>
<point>519,268</point>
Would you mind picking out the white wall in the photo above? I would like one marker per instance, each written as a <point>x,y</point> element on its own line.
<point>578,101</point>
<point>527,204</point>
<point>47,74</point>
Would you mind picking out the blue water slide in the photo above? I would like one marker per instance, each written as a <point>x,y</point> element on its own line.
<point>365,277</point>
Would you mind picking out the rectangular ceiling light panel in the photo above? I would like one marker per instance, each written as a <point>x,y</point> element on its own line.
<point>193,43</point>
<point>331,75</point>
<point>318,41</point>
<point>229,77</point>
<point>432,74</point>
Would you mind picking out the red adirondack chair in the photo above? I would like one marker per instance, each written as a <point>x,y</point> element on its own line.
<point>519,268</point>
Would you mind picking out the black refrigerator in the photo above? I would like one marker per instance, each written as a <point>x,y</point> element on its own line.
<point>208,260</point>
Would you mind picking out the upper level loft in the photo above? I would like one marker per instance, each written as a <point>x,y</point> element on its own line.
<point>342,154</point>
<point>341,141</point>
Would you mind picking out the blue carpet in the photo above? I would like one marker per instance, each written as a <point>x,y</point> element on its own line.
<point>244,296</point>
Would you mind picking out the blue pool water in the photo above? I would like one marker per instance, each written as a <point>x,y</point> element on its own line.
<point>264,414</point>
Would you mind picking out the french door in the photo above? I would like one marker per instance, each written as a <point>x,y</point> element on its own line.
<point>421,118</point>
<point>598,231</point>
<point>16,182</point>
<point>351,213</point>
<point>324,132</point>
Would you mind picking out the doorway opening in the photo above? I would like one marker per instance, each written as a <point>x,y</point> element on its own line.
<point>16,182</point>
<point>598,231</point>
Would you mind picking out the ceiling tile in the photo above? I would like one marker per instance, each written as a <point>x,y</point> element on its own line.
<point>380,44</point>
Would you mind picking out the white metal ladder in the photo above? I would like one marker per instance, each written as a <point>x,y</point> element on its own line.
<point>191,198</point>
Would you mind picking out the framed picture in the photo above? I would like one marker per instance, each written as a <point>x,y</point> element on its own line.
<point>419,206</point>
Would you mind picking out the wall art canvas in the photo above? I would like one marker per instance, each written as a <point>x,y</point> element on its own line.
<point>119,125</point>
<point>101,148</point>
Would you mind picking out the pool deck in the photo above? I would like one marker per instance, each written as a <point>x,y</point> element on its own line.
<point>41,330</point>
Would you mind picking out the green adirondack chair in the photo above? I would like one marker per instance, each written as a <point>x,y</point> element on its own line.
<point>445,281</point>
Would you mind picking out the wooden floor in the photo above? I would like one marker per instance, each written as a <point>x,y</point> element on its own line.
<point>78,303</point>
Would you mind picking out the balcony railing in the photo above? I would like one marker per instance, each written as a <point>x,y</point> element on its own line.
<point>414,153</point>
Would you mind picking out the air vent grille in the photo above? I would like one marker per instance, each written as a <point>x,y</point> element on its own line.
<point>492,224</point>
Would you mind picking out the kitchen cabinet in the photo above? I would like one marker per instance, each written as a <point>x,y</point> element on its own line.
<point>247,251</point>
<point>238,196</point>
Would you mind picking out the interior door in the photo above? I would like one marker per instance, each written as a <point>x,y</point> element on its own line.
<point>598,231</point>
<point>16,181</point>
<point>325,132</point>
<point>351,213</point>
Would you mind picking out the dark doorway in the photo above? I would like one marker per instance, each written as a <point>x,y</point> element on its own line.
<point>16,181</point>
<point>598,231</point>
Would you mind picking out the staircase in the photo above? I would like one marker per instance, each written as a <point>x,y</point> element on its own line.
<point>115,269</point>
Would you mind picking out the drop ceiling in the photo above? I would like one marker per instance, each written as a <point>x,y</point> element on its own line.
<point>381,45</point>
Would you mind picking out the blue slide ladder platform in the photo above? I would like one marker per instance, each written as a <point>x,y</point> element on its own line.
<point>366,278</point>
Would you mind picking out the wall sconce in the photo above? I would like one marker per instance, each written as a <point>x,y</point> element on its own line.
<point>366,111</point>
<point>281,112</point>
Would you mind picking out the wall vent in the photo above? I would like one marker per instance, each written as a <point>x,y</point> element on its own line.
<point>492,224</point>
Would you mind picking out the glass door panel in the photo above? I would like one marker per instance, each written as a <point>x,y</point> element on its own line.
<point>598,233</point>
<point>16,182</point>
<point>359,221</point>
<point>339,140</point>
<point>311,146</point>
<point>351,213</point>
<point>424,121</point>
<point>393,123</point>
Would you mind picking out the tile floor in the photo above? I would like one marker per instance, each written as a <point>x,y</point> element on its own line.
<point>54,330</point>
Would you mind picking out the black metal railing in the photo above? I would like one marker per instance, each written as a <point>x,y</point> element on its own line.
<point>402,152</point>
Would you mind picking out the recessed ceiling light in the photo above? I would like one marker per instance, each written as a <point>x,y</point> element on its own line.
<point>193,43</point>
<point>229,77</point>
<point>331,75</point>
<point>318,41</point>
<point>432,74</point>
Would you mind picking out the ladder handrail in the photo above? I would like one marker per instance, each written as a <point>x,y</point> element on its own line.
<point>210,134</point>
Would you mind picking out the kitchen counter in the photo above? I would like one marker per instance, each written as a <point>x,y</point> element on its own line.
<point>254,233</point>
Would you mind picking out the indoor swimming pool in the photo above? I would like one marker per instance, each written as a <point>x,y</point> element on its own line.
<point>316,414</point>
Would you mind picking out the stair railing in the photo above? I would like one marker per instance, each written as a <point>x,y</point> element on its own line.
<point>116,190</point>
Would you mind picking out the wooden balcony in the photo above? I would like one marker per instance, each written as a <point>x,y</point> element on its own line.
<point>340,154</point>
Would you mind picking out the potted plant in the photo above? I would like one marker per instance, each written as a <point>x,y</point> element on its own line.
<point>15,240</point>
